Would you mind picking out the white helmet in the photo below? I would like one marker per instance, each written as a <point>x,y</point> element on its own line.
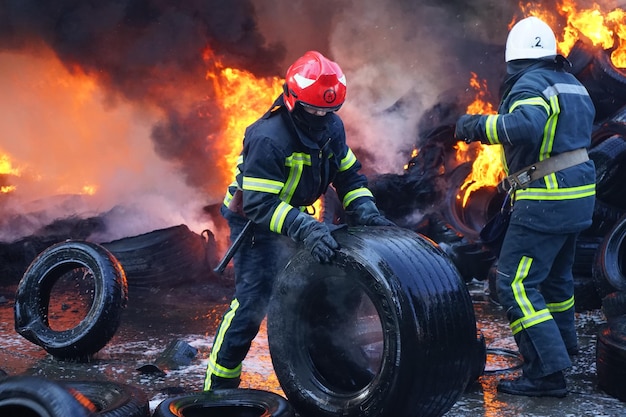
<point>530,38</point>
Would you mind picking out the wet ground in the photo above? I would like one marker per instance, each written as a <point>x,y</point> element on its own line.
<point>155,318</point>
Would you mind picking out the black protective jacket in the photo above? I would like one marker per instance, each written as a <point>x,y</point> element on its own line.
<point>281,170</point>
<point>546,111</point>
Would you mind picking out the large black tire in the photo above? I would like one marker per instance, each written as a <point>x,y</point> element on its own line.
<point>31,396</point>
<point>229,402</point>
<point>611,358</point>
<point>387,329</point>
<point>112,399</point>
<point>101,320</point>
<point>610,261</point>
<point>162,258</point>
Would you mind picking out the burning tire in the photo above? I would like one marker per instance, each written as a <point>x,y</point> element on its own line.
<point>112,399</point>
<point>356,337</point>
<point>94,292</point>
<point>34,396</point>
<point>230,402</point>
<point>481,204</point>
<point>162,257</point>
<point>611,359</point>
<point>605,82</point>
<point>610,261</point>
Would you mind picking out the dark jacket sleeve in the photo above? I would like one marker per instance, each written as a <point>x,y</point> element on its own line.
<point>350,184</point>
<point>262,179</point>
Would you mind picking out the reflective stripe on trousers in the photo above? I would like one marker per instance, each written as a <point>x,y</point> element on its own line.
<point>255,265</point>
<point>536,288</point>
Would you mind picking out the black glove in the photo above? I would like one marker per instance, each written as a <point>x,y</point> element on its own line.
<point>315,236</point>
<point>466,128</point>
<point>367,214</point>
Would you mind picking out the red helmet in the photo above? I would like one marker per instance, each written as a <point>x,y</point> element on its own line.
<point>315,81</point>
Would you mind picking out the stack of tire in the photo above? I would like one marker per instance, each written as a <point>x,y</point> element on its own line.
<point>609,271</point>
<point>165,257</point>
<point>606,238</point>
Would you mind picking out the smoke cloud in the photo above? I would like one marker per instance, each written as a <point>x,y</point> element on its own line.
<point>402,58</point>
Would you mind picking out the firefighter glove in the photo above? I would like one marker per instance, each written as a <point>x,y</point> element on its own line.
<point>367,214</point>
<point>466,128</point>
<point>315,236</point>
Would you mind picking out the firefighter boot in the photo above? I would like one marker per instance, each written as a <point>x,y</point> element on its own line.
<point>552,385</point>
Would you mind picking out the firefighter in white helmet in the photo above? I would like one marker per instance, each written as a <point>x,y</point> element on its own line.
<point>544,125</point>
<point>290,156</point>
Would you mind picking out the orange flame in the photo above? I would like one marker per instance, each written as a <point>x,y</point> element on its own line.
<point>242,98</point>
<point>414,153</point>
<point>487,166</point>
<point>606,29</point>
<point>7,169</point>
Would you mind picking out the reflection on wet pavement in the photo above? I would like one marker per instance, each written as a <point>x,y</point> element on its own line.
<point>153,319</point>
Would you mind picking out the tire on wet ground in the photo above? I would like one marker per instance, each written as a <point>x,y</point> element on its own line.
<point>609,264</point>
<point>112,399</point>
<point>228,402</point>
<point>34,396</point>
<point>101,320</point>
<point>387,329</point>
<point>611,358</point>
<point>163,257</point>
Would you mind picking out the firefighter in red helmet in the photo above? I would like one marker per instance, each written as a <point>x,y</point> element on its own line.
<point>290,157</point>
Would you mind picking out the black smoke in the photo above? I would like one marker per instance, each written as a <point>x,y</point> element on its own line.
<point>150,52</point>
<point>408,62</point>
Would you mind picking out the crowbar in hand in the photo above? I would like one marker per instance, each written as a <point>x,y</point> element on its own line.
<point>234,247</point>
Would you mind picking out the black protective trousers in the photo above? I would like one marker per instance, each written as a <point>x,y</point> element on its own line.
<point>256,264</point>
<point>536,288</point>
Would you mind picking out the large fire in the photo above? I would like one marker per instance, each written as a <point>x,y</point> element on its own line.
<point>6,168</point>
<point>604,28</point>
<point>487,166</point>
<point>243,98</point>
<point>81,148</point>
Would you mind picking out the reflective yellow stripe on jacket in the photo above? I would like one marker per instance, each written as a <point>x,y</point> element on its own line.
<point>552,190</point>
